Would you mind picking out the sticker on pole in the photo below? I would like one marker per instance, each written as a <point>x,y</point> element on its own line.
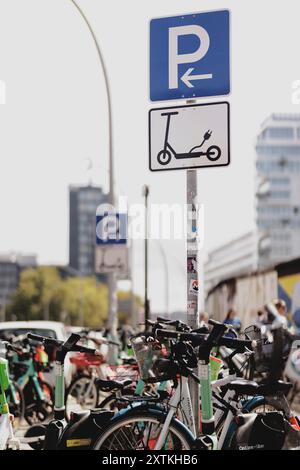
<point>190,56</point>
<point>194,136</point>
<point>194,287</point>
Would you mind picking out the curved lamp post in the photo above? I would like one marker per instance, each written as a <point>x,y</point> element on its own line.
<point>112,316</point>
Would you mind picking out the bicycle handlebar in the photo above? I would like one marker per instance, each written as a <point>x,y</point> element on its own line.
<point>10,347</point>
<point>83,349</point>
<point>199,339</point>
<point>45,339</point>
<point>69,347</point>
<point>235,343</point>
<point>195,338</point>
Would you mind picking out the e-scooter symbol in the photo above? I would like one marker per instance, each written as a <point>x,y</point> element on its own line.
<point>164,157</point>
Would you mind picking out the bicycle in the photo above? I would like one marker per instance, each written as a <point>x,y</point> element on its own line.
<point>85,390</point>
<point>27,367</point>
<point>14,394</point>
<point>58,434</point>
<point>6,419</point>
<point>157,428</point>
<point>121,394</point>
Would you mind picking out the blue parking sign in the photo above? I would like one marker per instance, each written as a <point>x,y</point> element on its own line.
<point>111,229</point>
<point>190,56</point>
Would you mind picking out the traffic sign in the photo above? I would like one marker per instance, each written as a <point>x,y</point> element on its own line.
<point>193,136</point>
<point>111,228</point>
<point>190,56</point>
<point>112,259</point>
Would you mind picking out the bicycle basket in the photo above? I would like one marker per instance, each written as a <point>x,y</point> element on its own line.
<point>148,353</point>
<point>254,333</point>
<point>122,372</point>
<point>268,354</point>
<point>83,360</point>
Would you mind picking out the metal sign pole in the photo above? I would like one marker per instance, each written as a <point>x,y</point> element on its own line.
<point>192,275</point>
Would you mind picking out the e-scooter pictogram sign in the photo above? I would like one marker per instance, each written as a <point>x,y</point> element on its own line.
<point>195,136</point>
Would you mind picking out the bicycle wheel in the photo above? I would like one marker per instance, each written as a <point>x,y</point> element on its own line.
<point>140,430</point>
<point>36,410</point>
<point>81,395</point>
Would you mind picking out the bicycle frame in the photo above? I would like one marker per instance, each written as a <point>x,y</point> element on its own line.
<point>182,397</point>
<point>31,376</point>
<point>181,391</point>
<point>13,394</point>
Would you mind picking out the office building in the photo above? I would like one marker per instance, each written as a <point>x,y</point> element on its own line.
<point>235,258</point>
<point>84,201</point>
<point>278,189</point>
<point>11,265</point>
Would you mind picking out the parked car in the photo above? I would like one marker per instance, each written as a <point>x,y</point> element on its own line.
<point>45,328</point>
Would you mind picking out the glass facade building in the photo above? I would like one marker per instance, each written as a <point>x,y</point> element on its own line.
<point>278,189</point>
<point>82,222</point>
<point>11,266</point>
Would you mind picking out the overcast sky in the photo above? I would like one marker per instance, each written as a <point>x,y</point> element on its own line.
<point>55,117</point>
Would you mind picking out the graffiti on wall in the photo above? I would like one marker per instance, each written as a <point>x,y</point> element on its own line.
<point>289,290</point>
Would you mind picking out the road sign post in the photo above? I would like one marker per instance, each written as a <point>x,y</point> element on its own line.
<point>189,59</point>
<point>192,273</point>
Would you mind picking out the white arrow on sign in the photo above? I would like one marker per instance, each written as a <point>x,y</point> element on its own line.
<point>187,77</point>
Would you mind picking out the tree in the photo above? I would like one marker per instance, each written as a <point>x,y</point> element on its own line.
<point>85,298</point>
<point>38,290</point>
<point>125,307</point>
<point>42,294</point>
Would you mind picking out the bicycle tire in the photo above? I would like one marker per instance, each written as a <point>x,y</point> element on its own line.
<point>37,411</point>
<point>126,432</point>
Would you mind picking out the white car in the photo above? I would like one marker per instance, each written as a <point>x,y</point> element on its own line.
<point>44,328</point>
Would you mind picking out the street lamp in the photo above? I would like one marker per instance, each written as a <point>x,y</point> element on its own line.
<point>112,283</point>
<point>145,193</point>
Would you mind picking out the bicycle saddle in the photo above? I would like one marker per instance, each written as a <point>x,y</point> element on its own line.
<point>274,387</point>
<point>243,387</point>
<point>129,360</point>
<point>112,385</point>
<point>248,387</point>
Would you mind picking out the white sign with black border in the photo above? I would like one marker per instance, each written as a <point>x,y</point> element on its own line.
<point>191,136</point>
<point>112,259</point>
